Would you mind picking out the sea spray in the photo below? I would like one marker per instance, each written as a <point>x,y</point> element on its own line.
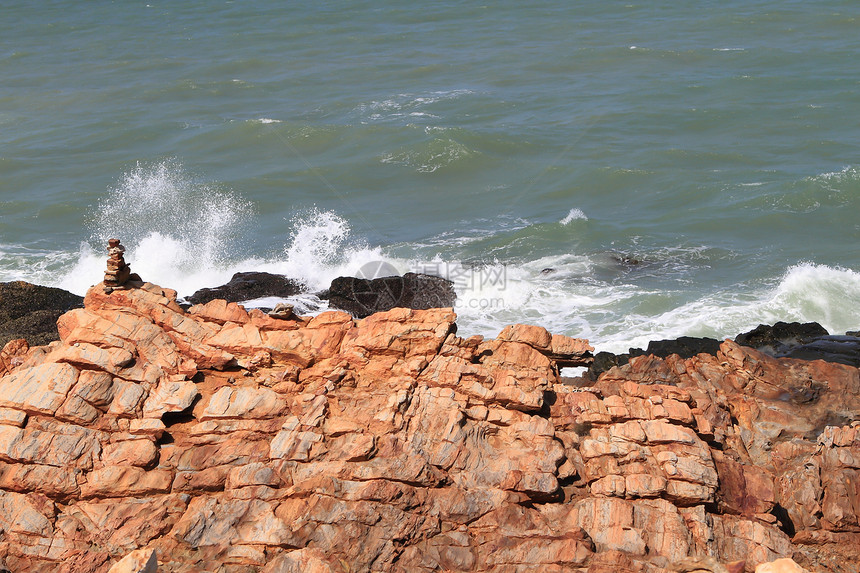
<point>321,247</point>
<point>583,295</point>
<point>806,292</point>
<point>573,215</point>
<point>178,231</point>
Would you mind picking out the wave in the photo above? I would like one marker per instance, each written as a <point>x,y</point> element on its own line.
<point>573,215</point>
<point>407,105</point>
<point>562,293</point>
<point>177,230</point>
<point>429,156</point>
<point>186,234</point>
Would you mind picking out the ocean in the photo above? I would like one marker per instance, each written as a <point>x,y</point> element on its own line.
<point>617,171</point>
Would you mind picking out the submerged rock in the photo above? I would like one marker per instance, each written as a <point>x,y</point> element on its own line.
<point>248,286</point>
<point>363,297</point>
<point>683,346</point>
<point>779,338</point>
<point>806,341</point>
<point>31,311</point>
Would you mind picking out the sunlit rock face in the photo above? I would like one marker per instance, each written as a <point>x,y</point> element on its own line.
<point>216,439</point>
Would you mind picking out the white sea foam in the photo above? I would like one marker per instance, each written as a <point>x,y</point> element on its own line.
<point>320,249</point>
<point>407,105</point>
<point>846,173</point>
<point>177,231</point>
<point>191,248</point>
<point>807,292</point>
<point>574,215</point>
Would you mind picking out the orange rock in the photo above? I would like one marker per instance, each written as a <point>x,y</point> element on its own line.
<point>535,336</point>
<point>138,561</point>
<point>784,565</point>
<point>12,355</point>
<point>235,440</point>
<point>126,481</point>
<point>220,311</point>
<point>38,390</point>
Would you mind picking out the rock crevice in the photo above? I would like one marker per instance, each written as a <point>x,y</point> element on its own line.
<point>219,439</point>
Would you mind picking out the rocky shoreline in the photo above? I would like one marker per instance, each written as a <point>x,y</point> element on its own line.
<point>214,438</point>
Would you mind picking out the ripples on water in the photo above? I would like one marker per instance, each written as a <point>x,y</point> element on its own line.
<point>619,172</point>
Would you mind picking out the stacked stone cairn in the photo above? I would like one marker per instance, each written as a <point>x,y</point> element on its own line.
<point>118,271</point>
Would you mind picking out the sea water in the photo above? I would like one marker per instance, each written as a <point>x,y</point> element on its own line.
<point>618,171</point>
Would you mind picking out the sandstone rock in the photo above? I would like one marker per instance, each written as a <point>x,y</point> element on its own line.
<point>11,417</point>
<point>139,452</point>
<point>126,481</point>
<point>299,561</point>
<point>244,403</point>
<point>50,443</point>
<point>13,355</point>
<point>784,565</point>
<point>138,561</point>
<point>563,350</point>
<point>51,481</point>
<point>170,396</point>
<point>40,389</point>
<point>231,440</point>
<point>221,312</point>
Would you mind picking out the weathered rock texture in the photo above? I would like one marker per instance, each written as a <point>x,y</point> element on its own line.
<point>224,440</point>
<point>31,311</point>
<point>363,297</point>
<point>117,272</point>
<point>248,286</point>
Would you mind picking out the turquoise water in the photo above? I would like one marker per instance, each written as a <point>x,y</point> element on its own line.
<point>618,171</point>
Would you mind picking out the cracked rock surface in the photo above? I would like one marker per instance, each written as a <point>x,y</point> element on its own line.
<point>216,439</point>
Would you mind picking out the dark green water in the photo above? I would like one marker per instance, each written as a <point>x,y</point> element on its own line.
<point>714,145</point>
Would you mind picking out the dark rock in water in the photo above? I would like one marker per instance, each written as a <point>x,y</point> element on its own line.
<point>840,349</point>
<point>31,311</point>
<point>603,361</point>
<point>778,339</point>
<point>625,260</point>
<point>683,346</point>
<point>807,341</point>
<point>247,286</point>
<point>363,297</point>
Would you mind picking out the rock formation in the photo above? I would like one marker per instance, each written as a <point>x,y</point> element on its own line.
<point>248,286</point>
<point>31,311</point>
<point>224,440</point>
<point>362,297</point>
<point>117,272</point>
<point>809,341</point>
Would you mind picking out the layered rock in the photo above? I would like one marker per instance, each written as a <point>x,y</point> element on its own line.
<point>224,440</point>
<point>118,272</point>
